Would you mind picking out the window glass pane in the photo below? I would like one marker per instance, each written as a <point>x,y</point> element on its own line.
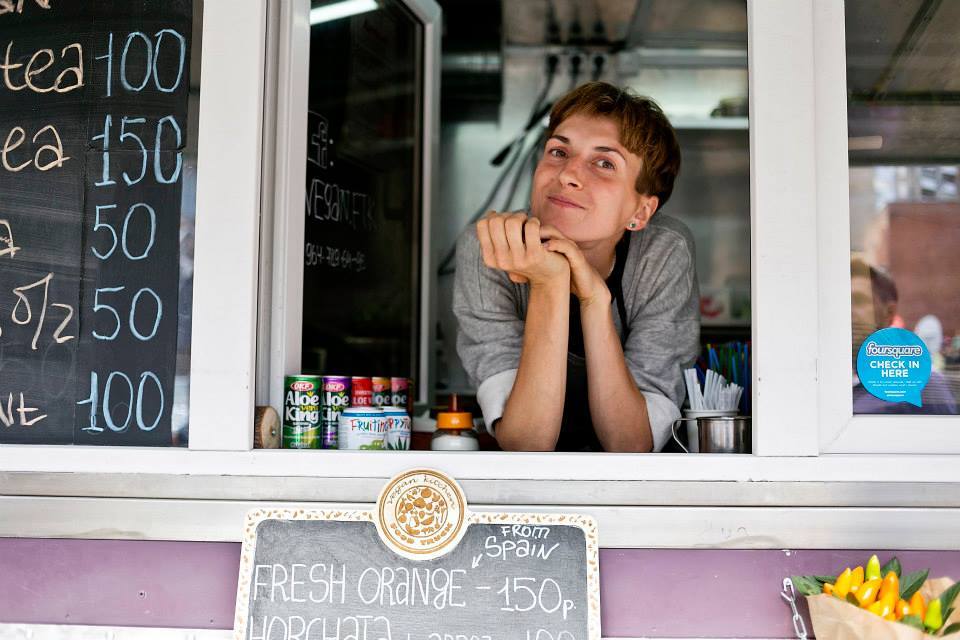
<point>903,82</point>
<point>188,215</point>
<point>362,230</point>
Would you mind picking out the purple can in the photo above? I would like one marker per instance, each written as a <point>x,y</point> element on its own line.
<point>334,398</point>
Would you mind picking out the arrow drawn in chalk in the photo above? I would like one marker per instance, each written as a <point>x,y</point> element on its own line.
<point>476,561</point>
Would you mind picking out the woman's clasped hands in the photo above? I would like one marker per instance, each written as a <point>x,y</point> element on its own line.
<point>539,254</point>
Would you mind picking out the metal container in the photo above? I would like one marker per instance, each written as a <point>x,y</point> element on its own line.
<point>693,434</point>
<point>719,434</point>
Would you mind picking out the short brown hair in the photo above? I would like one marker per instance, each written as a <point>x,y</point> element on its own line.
<point>644,131</point>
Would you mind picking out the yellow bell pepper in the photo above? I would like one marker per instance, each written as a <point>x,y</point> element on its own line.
<point>842,586</point>
<point>867,593</point>
<point>873,568</point>
<point>856,578</point>
<point>876,608</point>
<point>891,617</point>
<point>828,588</point>
<point>890,586</point>
<point>918,606</point>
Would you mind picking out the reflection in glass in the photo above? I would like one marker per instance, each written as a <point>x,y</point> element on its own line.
<point>188,215</point>
<point>903,106</point>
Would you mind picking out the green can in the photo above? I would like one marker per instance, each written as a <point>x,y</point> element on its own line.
<point>301,412</point>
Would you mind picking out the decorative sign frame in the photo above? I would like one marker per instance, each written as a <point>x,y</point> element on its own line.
<point>422,515</point>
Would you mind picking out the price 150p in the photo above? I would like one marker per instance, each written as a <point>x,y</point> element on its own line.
<point>524,594</point>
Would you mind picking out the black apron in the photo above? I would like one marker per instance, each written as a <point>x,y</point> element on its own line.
<point>576,427</point>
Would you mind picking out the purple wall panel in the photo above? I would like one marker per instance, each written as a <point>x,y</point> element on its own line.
<point>119,582</point>
<point>679,593</point>
<point>644,592</point>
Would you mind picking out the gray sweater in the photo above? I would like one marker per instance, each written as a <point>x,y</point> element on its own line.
<point>662,308</point>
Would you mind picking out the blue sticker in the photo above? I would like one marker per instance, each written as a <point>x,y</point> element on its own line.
<point>894,365</point>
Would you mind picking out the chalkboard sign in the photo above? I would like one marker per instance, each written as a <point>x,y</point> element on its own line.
<point>342,574</point>
<point>362,213</point>
<point>93,104</point>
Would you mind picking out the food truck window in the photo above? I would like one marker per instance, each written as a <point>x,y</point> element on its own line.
<point>381,223</point>
<point>902,77</point>
<point>503,68</point>
<point>96,232</point>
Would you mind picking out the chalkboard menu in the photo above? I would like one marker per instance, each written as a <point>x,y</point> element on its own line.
<point>362,210</point>
<point>321,574</point>
<point>93,104</point>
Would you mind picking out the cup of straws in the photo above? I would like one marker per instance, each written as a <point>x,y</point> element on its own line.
<point>712,423</point>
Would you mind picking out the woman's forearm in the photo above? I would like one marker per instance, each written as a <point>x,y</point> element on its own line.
<point>617,408</point>
<point>531,418</point>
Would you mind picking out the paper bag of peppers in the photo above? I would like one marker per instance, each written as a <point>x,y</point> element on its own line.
<point>874,602</point>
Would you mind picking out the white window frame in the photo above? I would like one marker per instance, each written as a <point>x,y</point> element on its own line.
<point>840,430</point>
<point>229,160</point>
<point>798,175</point>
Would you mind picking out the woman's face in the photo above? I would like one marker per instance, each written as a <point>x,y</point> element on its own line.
<point>585,183</point>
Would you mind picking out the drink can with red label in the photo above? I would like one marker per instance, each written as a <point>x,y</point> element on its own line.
<point>381,392</point>
<point>335,397</point>
<point>361,393</point>
<point>301,412</point>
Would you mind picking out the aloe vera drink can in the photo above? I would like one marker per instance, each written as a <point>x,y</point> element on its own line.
<point>398,429</point>
<point>381,392</point>
<point>361,391</point>
<point>301,412</point>
<point>399,392</point>
<point>334,399</point>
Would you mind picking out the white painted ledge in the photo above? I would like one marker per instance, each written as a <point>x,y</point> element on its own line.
<point>482,465</point>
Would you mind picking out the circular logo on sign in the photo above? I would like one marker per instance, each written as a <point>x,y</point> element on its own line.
<point>420,514</point>
<point>894,365</point>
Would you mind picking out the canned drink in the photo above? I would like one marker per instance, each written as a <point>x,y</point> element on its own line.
<point>361,392</point>
<point>335,397</point>
<point>362,428</point>
<point>301,412</point>
<point>398,429</point>
<point>381,392</point>
<point>399,392</point>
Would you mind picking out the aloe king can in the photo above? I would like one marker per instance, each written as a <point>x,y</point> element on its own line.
<point>301,412</point>
<point>334,399</point>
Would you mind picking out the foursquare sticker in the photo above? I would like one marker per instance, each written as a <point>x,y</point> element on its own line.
<point>894,365</point>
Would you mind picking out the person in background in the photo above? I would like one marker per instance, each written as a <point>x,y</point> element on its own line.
<point>577,318</point>
<point>874,301</point>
